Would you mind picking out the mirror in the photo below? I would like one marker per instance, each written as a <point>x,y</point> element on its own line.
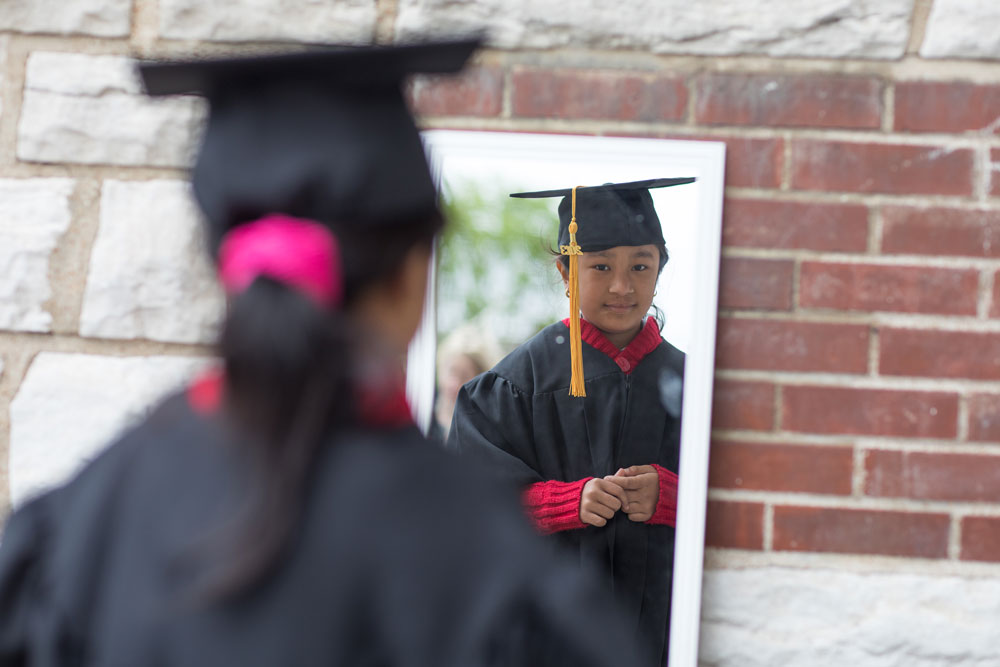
<point>501,277</point>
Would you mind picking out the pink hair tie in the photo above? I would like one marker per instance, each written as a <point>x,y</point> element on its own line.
<point>300,253</point>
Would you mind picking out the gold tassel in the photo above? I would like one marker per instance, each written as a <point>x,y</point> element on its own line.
<point>573,250</point>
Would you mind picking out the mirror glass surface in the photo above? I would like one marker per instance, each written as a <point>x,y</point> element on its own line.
<point>495,271</point>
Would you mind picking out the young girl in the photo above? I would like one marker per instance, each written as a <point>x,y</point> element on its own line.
<point>597,470</point>
<point>285,510</point>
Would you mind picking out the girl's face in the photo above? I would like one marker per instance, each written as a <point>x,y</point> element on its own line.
<point>616,289</point>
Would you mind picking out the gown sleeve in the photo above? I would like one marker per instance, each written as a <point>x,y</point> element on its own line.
<point>666,504</point>
<point>492,427</point>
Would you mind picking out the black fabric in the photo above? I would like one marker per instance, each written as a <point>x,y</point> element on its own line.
<point>402,557</point>
<point>610,215</point>
<point>519,422</point>
<point>324,135</point>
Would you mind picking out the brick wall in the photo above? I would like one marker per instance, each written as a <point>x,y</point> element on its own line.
<point>854,509</point>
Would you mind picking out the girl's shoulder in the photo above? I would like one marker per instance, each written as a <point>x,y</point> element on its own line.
<point>537,362</point>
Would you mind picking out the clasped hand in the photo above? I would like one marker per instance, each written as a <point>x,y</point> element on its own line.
<point>634,490</point>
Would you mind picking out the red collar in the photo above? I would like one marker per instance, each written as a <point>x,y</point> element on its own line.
<point>644,342</point>
<point>204,395</point>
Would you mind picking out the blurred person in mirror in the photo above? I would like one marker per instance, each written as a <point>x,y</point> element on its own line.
<point>283,509</point>
<point>466,352</point>
<point>576,418</point>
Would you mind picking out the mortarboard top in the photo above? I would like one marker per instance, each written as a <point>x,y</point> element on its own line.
<point>610,215</point>
<point>323,134</point>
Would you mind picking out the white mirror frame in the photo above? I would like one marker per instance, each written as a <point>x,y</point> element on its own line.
<point>664,158</point>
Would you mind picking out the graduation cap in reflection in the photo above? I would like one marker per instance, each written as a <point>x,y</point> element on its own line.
<point>595,218</point>
<point>323,134</point>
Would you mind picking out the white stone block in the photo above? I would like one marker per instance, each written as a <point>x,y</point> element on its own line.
<point>343,21</point>
<point>102,18</point>
<point>150,276</point>
<point>88,109</point>
<point>833,28</point>
<point>963,29</point>
<point>34,214</point>
<point>70,406</point>
<point>758,617</point>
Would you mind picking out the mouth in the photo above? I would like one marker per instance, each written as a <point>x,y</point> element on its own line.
<point>619,307</point>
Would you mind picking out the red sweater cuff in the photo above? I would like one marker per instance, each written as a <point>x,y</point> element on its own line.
<point>554,505</point>
<point>666,504</point>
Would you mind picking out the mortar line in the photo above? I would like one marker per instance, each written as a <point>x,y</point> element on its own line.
<point>859,475</point>
<point>768,526</point>
<point>955,536</point>
<point>866,442</point>
<point>888,106</point>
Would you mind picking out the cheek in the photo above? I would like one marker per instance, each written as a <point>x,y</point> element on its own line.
<point>646,284</point>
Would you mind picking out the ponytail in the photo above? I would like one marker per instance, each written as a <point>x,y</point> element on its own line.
<point>289,388</point>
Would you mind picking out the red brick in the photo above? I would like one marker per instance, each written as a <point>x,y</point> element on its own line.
<point>906,289</point>
<point>791,346</point>
<point>860,532</point>
<point>888,412</point>
<point>838,166</point>
<point>765,284</point>
<point>598,94</point>
<point>743,405</point>
<point>788,100</point>
<point>981,538</point>
<point>946,106</point>
<point>984,417</point>
<point>949,354</point>
<point>941,231</point>
<point>753,163</point>
<point>765,223</point>
<point>750,162</point>
<point>927,476</point>
<point>478,91</point>
<point>781,467</point>
<point>734,525</point>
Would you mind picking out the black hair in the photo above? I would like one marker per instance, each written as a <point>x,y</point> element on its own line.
<point>289,387</point>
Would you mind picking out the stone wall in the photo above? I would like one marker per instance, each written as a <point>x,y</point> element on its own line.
<point>854,510</point>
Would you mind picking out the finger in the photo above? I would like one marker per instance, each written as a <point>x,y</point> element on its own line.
<point>627,483</point>
<point>631,471</point>
<point>639,517</point>
<point>614,489</point>
<point>592,519</point>
<point>611,501</point>
<point>602,510</point>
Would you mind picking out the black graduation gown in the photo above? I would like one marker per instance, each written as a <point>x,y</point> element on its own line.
<point>520,422</point>
<point>385,568</point>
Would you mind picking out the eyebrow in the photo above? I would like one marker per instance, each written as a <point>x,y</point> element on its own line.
<point>642,253</point>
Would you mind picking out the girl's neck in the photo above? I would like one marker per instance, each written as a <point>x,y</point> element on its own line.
<point>620,339</point>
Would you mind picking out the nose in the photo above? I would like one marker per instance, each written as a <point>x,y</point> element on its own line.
<point>621,283</point>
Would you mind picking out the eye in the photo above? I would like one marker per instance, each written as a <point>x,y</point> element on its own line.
<point>640,267</point>
<point>601,267</point>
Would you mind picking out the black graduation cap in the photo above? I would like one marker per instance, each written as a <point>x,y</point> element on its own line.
<point>322,134</point>
<point>610,215</point>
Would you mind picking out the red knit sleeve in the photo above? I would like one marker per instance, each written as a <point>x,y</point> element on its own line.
<point>555,506</point>
<point>666,504</point>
